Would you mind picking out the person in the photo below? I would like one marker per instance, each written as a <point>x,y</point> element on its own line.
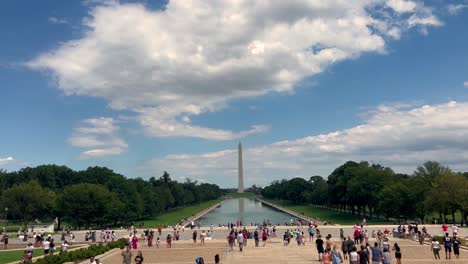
<point>341,234</point>
<point>158,241</point>
<point>51,247</point>
<point>194,237</point>
<point>64,247</point>
<point>92,260</point>
<point>216,259</point>
<point>435,247</point>
<point>46,246</point>
<point>199,260</point>
<point>444,228</point>
<point>420,238</point>
<point>5,240</point>
<point>344,248</point>
<point>139,258</point>
<point>98,261</point>
<point>386,257</point>
<point>126,256</point>
<point>353,256</point>
<point>311,232</point>
<point>169,240</point>
<point>336,256</point>
<point>202,237</point>
<point>256,237</point>
<point>299,239</point>
<point>456,247</point>
<point>376,254</point>
<point>363,255</point>
<point>397,250</point>
<point>326,258</point>
<point>25,257</point>
<point>264,237</point>
<point>319,245</point>
<point>448,246</point>
<point>350,245</point>
<point>454,230</point>
<point>230,238</point>
<point>134,242</point>
<point>240,241</point>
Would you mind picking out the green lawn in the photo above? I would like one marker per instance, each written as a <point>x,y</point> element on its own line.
<point>16,255</point>
<point>171,218</point>
<point>323,214</point>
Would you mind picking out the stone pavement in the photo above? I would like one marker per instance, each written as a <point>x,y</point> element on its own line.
<point>184,252</point>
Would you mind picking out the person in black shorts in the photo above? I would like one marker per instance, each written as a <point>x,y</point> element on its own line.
<point>448,246</point>
<point>397,250</point>
<point>320,249</point>
<point>456,247</point>
<point>344,248</point>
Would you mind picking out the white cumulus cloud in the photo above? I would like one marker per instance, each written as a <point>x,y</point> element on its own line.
<point>455,9</point>
<point>193,57</point>
<point>465,84</point>
<point>7,160</point>
<point>395,136</point>
<point>99,136</point>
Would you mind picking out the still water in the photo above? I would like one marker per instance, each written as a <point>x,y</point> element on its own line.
<point>246,210</point>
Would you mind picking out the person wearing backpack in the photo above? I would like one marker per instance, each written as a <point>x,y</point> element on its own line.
<point>448,246</point>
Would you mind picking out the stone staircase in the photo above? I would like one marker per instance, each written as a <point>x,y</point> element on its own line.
<point>274,252</point>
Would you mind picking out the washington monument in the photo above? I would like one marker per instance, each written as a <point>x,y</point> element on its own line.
<point>240,170</point>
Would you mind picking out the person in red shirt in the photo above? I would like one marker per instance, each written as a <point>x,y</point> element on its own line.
<point>444,228</point>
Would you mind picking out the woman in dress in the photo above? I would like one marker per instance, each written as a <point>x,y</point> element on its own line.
<point>326,258</point>
<point>134,242</point>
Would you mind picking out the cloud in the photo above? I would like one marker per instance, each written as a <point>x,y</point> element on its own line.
<point>99,136</point>
<point>7,160</point>
<point>393,135</point>
<point>160,66</point>
<point>455,9</point>
<point>56,20</point>
<point>465,84</point>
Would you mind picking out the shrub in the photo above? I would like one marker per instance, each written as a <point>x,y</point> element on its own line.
<point>82,254</point>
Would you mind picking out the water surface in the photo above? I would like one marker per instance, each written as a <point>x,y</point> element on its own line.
<point>249,211</point>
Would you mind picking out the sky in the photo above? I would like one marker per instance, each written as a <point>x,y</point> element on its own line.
<point>144,87</point>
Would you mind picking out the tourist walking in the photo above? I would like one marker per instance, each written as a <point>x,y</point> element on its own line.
<point>169,240</point>
<point>126,256</point>
<point>326,258</point>
<point>194,237</point>
<point>456,247</point>
<point>363,255</point>
<point>353,256</point>
<point>386,257</point>
<point>139,258</point>
<point>344,248</point>
<point>256,237</point>
<point>448,246</point>
<point>240,241</point>
<point>377,255</point>
<point>230,238</point>
<point>397,250</point>
<point>134,242</point>
<point>264,237</point>
<point>216,259</point>
<point>5,240</point>
<point>319,245</point>
<point>202,237</point>
<point>336,256</point>
<point>435,247</point>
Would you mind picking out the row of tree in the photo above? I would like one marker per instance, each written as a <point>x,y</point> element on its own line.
<point>96,196</point>
<point>372,190</point>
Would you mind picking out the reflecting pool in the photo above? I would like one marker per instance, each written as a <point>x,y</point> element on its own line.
<point>248,211</point>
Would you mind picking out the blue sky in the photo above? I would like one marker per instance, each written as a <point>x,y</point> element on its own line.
<point>143,87</point>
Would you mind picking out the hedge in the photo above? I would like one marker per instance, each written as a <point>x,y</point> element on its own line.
<point>83,254</point>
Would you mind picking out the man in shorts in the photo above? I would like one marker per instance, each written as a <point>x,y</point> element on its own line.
<point>448,246</point>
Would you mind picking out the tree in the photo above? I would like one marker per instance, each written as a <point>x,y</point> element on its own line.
<point>86,204</point>
<point>431,169</point>
<point>28,201</point>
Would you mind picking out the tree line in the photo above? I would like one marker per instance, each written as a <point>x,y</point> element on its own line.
<point>94,197</point>
<point>371,190</point>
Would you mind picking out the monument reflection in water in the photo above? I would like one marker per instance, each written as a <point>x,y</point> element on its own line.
<point>249,211</point>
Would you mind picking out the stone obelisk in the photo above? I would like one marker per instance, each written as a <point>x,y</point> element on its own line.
<point>240,169</point>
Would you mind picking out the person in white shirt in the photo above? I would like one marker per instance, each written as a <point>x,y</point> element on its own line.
<point>454,230</point>
<point>435,247</point>
<point>202,237</point>
<point>64,246</point>
<point>240,241</point>
<point>46,246</point>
